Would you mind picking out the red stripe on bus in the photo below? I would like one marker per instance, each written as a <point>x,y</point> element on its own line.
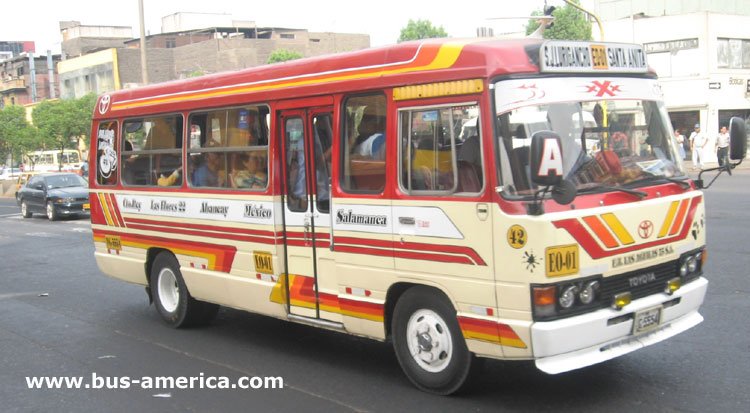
<point>577,230</point>
<point>215,228</point>
<point>414,247</point>
<point>365,307</point>
<point>114,210</point>
<point>223,254</point>
<point>206,234</point>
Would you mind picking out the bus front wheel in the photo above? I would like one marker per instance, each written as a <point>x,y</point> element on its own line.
<point>428,342</point>
<point>171,297</point>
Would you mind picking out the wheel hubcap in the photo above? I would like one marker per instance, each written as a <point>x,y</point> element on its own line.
<point>23,208</point>
<point>50,210</point>
<point>169,291</point>
<point>429,340</point>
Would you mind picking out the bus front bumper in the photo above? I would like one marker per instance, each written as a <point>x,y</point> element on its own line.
<point>592,338</point>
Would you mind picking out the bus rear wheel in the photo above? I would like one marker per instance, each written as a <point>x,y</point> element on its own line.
<point>171,296</point>
<point>428,342</point>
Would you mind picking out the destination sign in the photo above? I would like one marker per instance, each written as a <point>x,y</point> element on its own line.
<point>571,56</point>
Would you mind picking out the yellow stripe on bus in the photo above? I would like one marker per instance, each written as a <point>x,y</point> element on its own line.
<point>616,226</point>
<point>668,220</point>
<point>105,209</point>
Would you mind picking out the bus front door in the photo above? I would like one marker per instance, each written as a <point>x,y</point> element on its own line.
<point>312,290</point>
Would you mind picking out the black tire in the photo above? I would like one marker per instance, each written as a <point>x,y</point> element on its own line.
<point>51,211</point>
<point>171,297</point>
<point>425,320</point>
<point>25,210</point>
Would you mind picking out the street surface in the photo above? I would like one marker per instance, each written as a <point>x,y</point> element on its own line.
<point>59,316</point>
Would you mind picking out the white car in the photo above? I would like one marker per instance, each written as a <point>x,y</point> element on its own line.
<point>9,173</point>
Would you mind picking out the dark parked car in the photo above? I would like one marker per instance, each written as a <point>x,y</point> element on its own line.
<point>55,194</point>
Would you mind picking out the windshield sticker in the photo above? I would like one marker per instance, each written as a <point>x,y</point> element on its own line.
<point>107,154</point>
<point>602,88</point>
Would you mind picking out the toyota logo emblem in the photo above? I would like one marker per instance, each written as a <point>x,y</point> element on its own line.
<point>645,229</point>
<point>104,104</point>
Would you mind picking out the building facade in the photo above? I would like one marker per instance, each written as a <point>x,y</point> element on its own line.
<point>193,52</point>
<point>700,51</point>
<point>26,79</point>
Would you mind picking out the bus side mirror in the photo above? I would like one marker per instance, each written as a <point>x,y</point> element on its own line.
<point>737,139</point>
<point>546,158</point>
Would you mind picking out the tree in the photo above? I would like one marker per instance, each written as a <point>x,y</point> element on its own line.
<point>62,122</point>
<point>16,134</point>
<point>421,29</point>
<point>569,24</point>
<point>282,55</point>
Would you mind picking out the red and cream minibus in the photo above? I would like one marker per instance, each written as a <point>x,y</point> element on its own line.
<point>506,199</point>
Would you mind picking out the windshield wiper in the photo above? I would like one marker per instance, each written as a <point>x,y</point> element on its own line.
<point>681,182</point>
<point>650,176</point>
<point>639,194</point>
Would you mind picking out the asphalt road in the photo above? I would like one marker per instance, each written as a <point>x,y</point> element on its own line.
<point>59,316</point>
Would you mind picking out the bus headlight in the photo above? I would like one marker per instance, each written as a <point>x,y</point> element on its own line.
<point>552,301</point>
<point>588,292</point>
<point>691,263</point>
<point>568,297</point>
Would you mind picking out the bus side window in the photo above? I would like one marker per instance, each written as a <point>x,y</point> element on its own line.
<point>441,151</point>
<point>152,151</point>
<point>364,144</point>
<point>228,148</point>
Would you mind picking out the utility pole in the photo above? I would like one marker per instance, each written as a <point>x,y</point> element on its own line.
<point>50,75</point>
<point>32,76</point>
<point>144,68</point>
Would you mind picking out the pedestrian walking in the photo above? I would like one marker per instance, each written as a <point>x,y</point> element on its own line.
<point>697,142</point>
<point>680,138</point>
<point>722,146</point>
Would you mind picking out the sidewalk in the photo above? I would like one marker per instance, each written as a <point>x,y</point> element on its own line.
<point>8,188</point>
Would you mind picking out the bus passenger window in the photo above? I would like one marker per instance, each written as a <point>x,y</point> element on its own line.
<point>364,144</point>
<point>151,151</point>
<point>229,148</point>
<point>441,150</point>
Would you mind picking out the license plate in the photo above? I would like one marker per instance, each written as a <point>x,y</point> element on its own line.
<point>646,320</point>
<point>561,260</point>
<point>86,207</point>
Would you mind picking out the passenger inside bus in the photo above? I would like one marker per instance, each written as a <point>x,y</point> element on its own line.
<point>210,172</point>
<point>370,142</point>
<point>251,171</point>
<point>172,179</point>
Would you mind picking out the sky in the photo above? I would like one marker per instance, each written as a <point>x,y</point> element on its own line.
<point>381,19</point>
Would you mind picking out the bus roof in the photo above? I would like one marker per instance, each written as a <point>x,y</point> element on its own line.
<point>402,64</point>
<point>374,68</point>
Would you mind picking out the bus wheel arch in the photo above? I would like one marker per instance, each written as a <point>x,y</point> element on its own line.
<point>170,294</point>
<point>427,339</point>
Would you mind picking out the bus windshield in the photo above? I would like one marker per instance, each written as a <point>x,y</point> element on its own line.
<point>606,144</point>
